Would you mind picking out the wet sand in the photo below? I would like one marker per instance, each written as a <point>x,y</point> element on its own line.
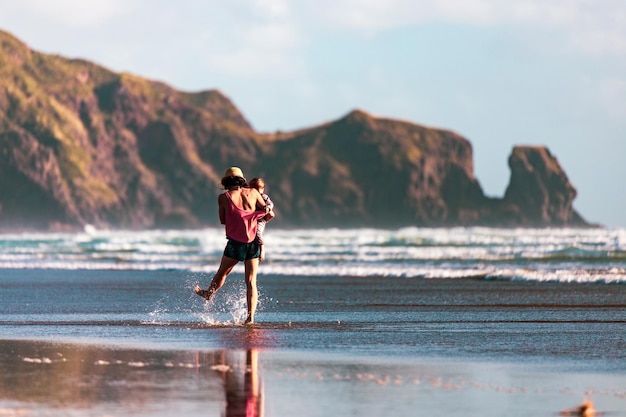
<point>42,378</point>
<point>140,343</point>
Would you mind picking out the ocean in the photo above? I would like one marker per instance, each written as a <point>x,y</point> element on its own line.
<point>542,255</point>
<point>366,322</point>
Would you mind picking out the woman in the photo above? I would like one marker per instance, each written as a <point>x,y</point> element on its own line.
<point>237,212</point>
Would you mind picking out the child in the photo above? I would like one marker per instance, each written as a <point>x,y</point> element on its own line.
<point>259,184</point>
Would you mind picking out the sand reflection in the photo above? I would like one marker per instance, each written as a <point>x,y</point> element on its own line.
<point>40,377</point>
<point>242,383</point>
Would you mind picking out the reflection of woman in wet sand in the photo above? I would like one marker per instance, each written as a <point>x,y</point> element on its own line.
<point>243,398</point>
<point>247,400</point>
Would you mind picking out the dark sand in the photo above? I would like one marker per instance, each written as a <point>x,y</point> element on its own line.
<point>76,343</point>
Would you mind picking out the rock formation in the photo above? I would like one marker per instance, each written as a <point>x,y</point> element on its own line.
<point>80,144</point>
<point>540,189</point>
<point>362,170</point>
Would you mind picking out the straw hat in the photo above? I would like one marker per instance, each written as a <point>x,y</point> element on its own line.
<point>233,172</point>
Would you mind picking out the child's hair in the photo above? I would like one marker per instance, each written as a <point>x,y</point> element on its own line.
<point>257,183</point>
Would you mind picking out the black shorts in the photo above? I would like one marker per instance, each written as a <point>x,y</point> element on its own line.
<point>242,251</point>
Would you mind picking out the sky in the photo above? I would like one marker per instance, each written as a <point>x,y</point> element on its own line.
<point>499,72</point>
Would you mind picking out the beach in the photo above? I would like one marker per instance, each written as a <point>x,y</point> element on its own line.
<point>44,378</point>
<point>117,337</point>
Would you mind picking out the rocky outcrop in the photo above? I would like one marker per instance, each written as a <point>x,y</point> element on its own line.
<point>362,170</point>
<point>540,189</point>
<point>80,144</point>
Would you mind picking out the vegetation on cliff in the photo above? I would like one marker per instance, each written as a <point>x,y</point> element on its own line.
<point>80,144</point>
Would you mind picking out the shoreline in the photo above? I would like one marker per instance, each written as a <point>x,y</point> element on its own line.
<point>108,343</point>
<point>244,337</point>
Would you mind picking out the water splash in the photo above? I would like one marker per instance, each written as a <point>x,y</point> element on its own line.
<point>229,307</point>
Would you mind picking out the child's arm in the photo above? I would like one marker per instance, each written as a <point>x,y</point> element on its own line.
<point>268,201</point>
<point>269,207</point>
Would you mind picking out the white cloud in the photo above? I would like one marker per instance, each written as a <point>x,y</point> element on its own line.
<point>375,14</point>
<point>597,26</point>
<point>262,50</point>
<point>275,37</point>
<point>250,62</point>
<point>273,9</point>
<point>74,13</point>
<point>258,38</point>
<point>601,31</point>
<point>600,41</point>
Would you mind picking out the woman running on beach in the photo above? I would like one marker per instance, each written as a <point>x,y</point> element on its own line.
<point>237,212</point>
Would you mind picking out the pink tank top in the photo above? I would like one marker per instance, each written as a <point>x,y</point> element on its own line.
<point>241,224</point>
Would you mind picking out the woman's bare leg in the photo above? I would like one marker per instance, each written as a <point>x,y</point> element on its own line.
<point>251,266</point>
<point>226,266</point>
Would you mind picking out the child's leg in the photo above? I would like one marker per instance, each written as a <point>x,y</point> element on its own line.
<point>259,239</point>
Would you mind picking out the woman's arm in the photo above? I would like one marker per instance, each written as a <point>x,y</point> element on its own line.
<point>260,203</point>
<point>222,202</point>
<point>269,216</point>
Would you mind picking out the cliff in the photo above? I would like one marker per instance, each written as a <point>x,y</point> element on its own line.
<point>362,170</point>
<point>80,144</point>
<point>539,192</point>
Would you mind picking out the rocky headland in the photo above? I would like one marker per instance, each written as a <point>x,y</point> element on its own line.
<point>80,144</point>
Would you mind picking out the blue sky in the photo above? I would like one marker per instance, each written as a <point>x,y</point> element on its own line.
<point>499,72</point>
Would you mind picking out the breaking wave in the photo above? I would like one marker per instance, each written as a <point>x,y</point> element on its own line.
<point>550,255</point>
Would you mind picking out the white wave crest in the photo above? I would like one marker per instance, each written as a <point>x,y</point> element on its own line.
<point>563,255</point>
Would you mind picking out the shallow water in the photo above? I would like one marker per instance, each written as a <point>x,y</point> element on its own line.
<point>472,318</point>
<point>129,336</point>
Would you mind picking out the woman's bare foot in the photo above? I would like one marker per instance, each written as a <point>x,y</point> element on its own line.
<point>249,320</point>
<point>206,294</point>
